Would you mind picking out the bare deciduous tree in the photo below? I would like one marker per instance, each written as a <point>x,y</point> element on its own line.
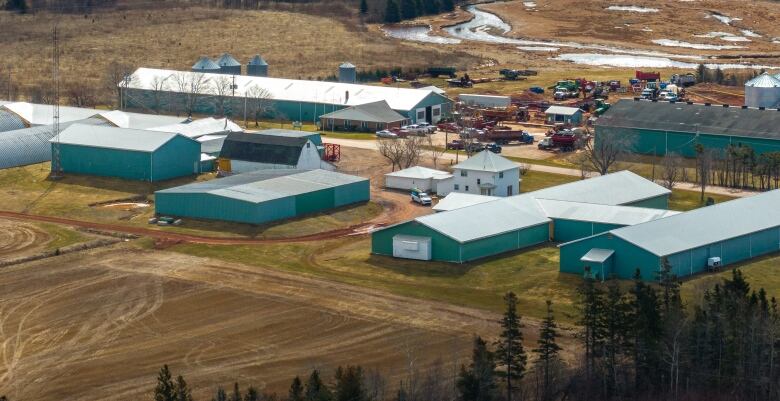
<point>671,169</point>
<point>159,86</point>
<point>412,150</point>
<point>221,87</point>
<point>703,167</point>
<point>392,150</point>
<point>259,102</point>
<point>436,152</point>
<point>118,76</point>
<point>191,85</point>
<point>80,95</point>
<point>605,150</point>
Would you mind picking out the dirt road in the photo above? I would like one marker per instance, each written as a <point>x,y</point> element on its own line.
<point>98,325</point>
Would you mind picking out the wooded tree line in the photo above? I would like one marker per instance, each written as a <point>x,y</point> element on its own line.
<point>63,6</point>
<point>734,78</point>
<point>636,342</point>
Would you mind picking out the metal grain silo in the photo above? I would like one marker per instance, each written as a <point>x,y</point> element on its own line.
<point>257,67</point>
<point>205,64</point>
<point>347,73</point>
<point>762,91</point>
<point>229,65</point>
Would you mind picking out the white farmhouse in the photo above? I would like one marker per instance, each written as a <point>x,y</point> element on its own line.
<point>486,173</point>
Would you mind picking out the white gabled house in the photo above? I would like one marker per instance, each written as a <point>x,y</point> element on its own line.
<point>486,173</point>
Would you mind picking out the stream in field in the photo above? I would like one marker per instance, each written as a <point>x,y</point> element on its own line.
<point>487,27</point>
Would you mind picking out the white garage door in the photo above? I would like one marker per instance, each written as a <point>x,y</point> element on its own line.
<point>412,247</point>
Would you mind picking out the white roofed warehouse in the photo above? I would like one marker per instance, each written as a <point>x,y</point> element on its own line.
<point>289,99</point>
<point>691,242</point>
<point>263,196</point>
<point>422,178</point>
<point>492,226</point>
<point>126,153</point>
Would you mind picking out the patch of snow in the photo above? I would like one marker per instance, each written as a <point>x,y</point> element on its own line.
<point>735,39</point>
<point>750,33</point>
<point>633,9</point>
<point>529,4</point>
<point>700,46</point>
<point>725,18</point>
<point>646,29</point>
<point>538,48</point>
<point>417,33</point>
<point>627,61</point>
<point>713,35</point>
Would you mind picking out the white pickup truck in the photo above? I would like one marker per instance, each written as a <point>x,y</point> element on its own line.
<point>421,197</point>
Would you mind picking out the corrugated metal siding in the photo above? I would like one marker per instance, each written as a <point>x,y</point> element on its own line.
<point>179,157</point>
<point>511,241</point>
<point>443,248</point>
<point>571,230</point>
<point>626,260</point>
<point>352,193</point>
<point>213,207</point>
<point>660,142</point>
<point>10,121</point>
<point>31,145</point>
<point>315,201</point>
<point>106,162</point>
<point>659,202</point>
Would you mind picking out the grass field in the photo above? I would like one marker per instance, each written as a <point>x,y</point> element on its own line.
<point>27,189</point>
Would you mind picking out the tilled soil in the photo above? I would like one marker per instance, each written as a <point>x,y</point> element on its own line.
<point>98,326</point>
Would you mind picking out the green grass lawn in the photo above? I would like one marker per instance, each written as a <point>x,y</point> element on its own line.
<point>535,180</point>
<point>27,189</point>
<point>61,236</point>
<point>348,135</point>
<point>683,200</point>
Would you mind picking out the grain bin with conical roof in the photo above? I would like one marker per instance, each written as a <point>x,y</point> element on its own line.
<point>257,67</point>
<point>763,91</point>
<point>228,65</point>
<point>347,73</point>
<point>205,64</point>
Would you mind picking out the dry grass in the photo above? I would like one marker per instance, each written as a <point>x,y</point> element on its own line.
<point>295,45</point>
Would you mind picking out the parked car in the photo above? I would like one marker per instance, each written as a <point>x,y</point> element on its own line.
<point>667,96</point>
<point>536,89</point>
<point>415,129</point>
<point>386,134</point>
<point>430,128</point>
<point>421,197</point>
<point>455,145</point>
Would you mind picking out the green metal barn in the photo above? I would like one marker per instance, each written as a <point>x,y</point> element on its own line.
<point>558,214</point>
<point>127,153</point>
<point>263,196</point>
<point>663,127</point>
<point>692,242</point>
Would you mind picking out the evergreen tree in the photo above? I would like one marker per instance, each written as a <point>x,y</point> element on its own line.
<point>183,392</point>
<point>221,395</point>
<point>349,384</point>
<point>363,7</point>
<point>432,6</point>
<point>592,305</point>
<point>392,12</point>
<point>408,9</point>
<point>447,5</point>
<point>645,316</point>
<point>165,390</point>
<point>547,352</point>
<point>615,336</point>
<point>509,347</point>
<point>296,390</point>
<point>236,396</point>
<point>477,382</point>
<point>20,6</point>
<point>316,390</point>
<point>719,76</point>
<point>419,7</point>
<point>251,394</point>
<point>701,73</point>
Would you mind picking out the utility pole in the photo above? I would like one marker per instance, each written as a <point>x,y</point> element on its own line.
<point>10,67</point>
<point>56,163</point>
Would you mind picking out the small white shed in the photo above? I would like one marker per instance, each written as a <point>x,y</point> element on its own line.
<point>425,179</point>
<point>412,247</point>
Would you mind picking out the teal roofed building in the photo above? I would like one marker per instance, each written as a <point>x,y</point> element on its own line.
<point>263,196</point>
